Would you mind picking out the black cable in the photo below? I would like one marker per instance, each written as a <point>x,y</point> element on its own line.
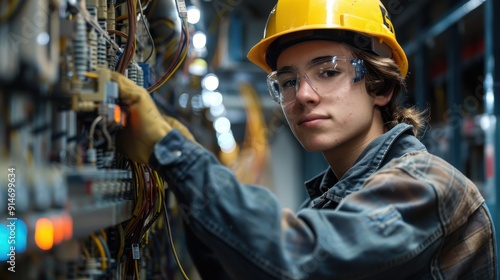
<point>147,30</point>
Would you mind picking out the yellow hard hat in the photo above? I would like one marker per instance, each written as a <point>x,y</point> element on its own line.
<point>362,23</point>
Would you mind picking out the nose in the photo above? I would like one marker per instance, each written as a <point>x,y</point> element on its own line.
<point>306,92</point>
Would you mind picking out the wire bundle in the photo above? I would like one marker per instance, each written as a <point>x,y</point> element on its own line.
<point>179,56</point>
<point>130,245</point>
<point>129,50</point>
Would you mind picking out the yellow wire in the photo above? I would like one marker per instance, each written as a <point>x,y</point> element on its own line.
<point>170,45</point>
<point>159,184</point>
<point>139,179</point>
<point>174,251</point>
<point>104,263</point>
<point>160,202</point>
<point>159,181</point>
<point>167,22</point>
<point>138,183</point>
<point>184,54</point>
<point>159,222</point>
<point>136,270</point>
<point>85,252</point>
<point>122,243</point>
<point>169,49</point>
<point>9,11</point>
<point>170,75</point>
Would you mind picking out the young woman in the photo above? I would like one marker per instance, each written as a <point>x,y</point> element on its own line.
<point>384,209</point>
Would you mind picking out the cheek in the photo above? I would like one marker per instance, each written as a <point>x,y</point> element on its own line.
<point>289,116</point>
<point>343,104</point>
<point>351,105</point>
<point>346,116</point>
<point>287,112</point>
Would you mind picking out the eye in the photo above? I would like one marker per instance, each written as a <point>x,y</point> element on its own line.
<point>290,83</point>
<point>325,70</point>
<point>328,73</point>
<point>286,78</point>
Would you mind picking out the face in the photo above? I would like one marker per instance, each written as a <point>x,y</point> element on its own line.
<point>328,117</point>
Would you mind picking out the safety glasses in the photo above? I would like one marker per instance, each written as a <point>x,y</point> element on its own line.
<point>323,74</point>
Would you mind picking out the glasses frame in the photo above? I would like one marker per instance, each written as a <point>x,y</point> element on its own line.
<point>359,74</point>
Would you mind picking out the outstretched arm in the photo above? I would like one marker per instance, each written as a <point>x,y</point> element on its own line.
<point>374,233</point>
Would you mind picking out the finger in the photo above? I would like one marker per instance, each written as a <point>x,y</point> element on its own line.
<point>128,89</point>
<point>173,122</point>
<point>129,101</point>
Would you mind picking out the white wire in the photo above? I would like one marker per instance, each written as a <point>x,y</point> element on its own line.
<point>97,27</point>
<point>92,130</point>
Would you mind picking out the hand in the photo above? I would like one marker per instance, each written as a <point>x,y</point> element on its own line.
<point>174,123</point>
<point>145,125</point>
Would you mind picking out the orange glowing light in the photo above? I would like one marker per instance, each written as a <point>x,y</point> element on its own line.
<point>58,223</point>
<point>118,114</point>
<point>68,226</point>
<point>44,234</point>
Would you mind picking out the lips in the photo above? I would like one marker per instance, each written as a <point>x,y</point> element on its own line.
<point>311,118</point>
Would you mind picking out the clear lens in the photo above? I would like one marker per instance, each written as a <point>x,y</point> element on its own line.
<point>324,75</point>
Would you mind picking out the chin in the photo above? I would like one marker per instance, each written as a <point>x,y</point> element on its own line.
<point>312,146</point>
<point>313,142</point>
<point>314,150</point>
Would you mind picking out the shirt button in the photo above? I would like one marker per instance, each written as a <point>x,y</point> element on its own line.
<point>176,153</point>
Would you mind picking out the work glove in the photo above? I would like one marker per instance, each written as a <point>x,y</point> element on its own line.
<point>174,123</point>
<point>145,124</point>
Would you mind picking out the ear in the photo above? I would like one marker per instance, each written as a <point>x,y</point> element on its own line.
<point>382,100</point>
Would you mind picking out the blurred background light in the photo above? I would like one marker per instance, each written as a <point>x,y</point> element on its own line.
<point>194,15</point>
<point>199,40</point>
<point>222,125</point>
<point>210,82</point>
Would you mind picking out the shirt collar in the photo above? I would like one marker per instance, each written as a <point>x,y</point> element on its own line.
<point>392,144</point>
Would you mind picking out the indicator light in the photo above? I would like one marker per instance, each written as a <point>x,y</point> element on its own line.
<point>44,234</point>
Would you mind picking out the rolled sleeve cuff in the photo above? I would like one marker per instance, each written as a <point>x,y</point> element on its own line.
<point>175,150</point>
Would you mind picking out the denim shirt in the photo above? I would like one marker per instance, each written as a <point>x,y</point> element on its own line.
<point>397,213</point>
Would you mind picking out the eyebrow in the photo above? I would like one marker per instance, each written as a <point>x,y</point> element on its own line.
<point>313,61</point>
<point>321,59</point>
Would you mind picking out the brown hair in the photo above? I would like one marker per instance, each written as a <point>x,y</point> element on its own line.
<point>382,77</point>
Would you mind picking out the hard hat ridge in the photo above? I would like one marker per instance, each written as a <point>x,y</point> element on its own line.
<point>290,19</point>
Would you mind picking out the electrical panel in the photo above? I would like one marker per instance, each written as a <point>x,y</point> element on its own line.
<point>71,206</point>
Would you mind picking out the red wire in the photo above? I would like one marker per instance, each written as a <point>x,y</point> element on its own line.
<point>128,53</point>
<point>182,45</point>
